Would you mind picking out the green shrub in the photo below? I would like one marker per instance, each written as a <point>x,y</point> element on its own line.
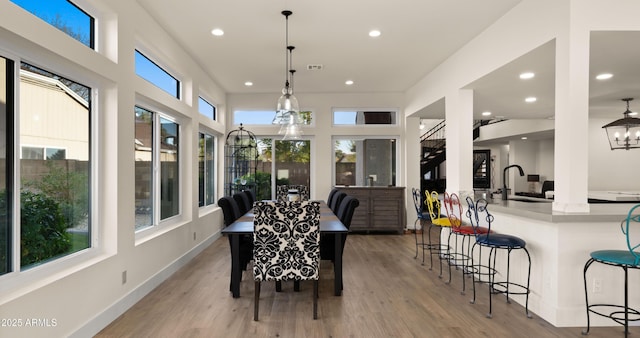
<point>43,229</point>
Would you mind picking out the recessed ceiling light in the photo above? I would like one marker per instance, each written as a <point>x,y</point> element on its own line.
<point>633,113</point>
<point>348,82</point>
<point>217,32</point>
<point>527,75</point>
<point>374,33</point>
<point>523,138</point>
<point>604,76</point>
<point>486,113</point>
<point>248,83</point>
<point>530,99</point>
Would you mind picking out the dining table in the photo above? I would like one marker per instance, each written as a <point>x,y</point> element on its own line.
<point>329,224</point>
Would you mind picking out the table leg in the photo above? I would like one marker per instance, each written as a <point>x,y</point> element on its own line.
<point>337,265</point>
<point>235,265</point>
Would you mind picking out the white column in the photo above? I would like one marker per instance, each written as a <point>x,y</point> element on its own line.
<point>459,135</point>
<point>412,166</point>
<point>572,117</point>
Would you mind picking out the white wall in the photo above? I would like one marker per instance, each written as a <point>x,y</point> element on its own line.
<point>84,291</point>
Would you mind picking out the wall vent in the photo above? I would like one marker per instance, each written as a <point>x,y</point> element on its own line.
<point>314,66</point>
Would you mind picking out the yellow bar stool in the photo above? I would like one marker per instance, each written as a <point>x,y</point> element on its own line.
<point>438,221</point>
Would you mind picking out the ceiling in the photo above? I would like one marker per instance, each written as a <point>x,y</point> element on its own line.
<point>416,37</point>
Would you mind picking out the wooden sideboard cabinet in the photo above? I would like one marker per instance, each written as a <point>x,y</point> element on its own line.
<point>380,209</point>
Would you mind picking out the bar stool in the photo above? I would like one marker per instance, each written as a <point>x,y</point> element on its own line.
<point>625,259</point>
<point>437,220</point>
<point>422,217</point>
<point>477,213</point>
<point>459,254</point>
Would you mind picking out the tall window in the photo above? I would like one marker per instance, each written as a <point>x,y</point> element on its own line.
<point>65,16</point>
<point>6,163</point>
<point>150,71</point>
<point>54,194</point>
<point>153,187</point>
<point>207,109</point>
<point>206,172</point>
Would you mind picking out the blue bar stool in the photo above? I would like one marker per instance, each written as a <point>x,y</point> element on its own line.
<point>477,213</point>
<point>625,259</point>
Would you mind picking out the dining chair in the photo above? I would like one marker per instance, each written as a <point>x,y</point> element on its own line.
<point>479,214</point>
<point>303,191</point>
<point>436,219</point>
<point>286,239</point>
<point>332,193</point>
<point>251,195</point>
<point>231,213</point>
<point>625,259</point>
<point>282,191</point>
<point>337,199</point>
<point>243,202</point>
<point>345,215</point>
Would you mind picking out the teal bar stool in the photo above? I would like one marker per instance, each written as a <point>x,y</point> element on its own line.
<point>625,259</point>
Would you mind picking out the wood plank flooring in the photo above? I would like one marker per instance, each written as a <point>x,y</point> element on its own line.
<point>387,293</point>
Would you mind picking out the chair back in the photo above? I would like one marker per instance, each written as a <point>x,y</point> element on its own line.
<point>243,202</point>
<point>332,193</point>
<point>286,240</point>
<point>337,199</point>
<point>281,192</point>
<point>346,210</point>
<point>632,241</point>
<point>433,204</point>
<point>303,191</point>
<point>479,216</point>
<point>454,209</point>
<point>230,209</point>
<point>251,195</point>
<point>417,202</point>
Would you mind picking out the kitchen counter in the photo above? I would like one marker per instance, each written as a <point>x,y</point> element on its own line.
<point>541,209</point>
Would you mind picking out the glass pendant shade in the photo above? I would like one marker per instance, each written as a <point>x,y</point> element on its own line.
<point>292,132</point>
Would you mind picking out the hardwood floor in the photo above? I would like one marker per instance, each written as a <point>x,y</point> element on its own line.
<point>387,293</point>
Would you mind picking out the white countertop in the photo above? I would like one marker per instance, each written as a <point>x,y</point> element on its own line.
<point>615,196</point>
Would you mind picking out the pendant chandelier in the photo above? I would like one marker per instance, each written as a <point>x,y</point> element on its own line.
<point>287,109</point>
<point>625,132</point>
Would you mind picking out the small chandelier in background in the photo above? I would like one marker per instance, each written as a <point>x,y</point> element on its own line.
<point>625,132</point>
<point>287,109</point>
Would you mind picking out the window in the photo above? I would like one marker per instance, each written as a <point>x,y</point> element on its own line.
<point>206,108</point>
<point>148,70</point>
<point>291,163</point>
<point>55,182</point>
<point>65,16</point>
<point>369,161</point>
<point>206,170</point>
<point>357,117</point>
<point>154,132</point>
<point>6,113</point>
<point>38,153</point>
<point>262,117</point>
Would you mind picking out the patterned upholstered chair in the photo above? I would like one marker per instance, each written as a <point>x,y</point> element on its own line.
<point>281,192</point>
<point>286,245</point>
<point>303,190</point>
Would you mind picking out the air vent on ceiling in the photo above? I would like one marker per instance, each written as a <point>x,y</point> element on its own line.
<point>314,66</point>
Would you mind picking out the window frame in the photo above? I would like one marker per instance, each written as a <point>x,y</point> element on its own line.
<point>394,118</point>
<point>208,102</point>
<point>158,223</point>
<point>178,88</point>
<point>272,113</point>
<point>214,173</point>
<point>396,139</point>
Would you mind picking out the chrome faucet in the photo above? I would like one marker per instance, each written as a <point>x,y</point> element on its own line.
<point>504,179</point>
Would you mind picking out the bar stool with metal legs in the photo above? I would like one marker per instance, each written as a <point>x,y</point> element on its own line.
<point>421,218</point>
<point>459,254</point>
<point>436,220</point>
<point>625,259</point>
<point>478,213</point>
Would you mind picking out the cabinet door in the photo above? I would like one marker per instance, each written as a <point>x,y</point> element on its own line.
<point>360,220</point>
<point>386,213</point>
